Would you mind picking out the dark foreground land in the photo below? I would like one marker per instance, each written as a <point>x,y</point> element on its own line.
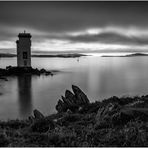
<point>79,122</point>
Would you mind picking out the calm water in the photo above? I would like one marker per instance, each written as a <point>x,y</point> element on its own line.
<point>98,77</point>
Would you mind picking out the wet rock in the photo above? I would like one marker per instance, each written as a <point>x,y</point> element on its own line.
<point>38,114</point>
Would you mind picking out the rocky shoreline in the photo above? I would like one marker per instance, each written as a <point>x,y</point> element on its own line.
<point>17,71</point>
<point>79,122</point>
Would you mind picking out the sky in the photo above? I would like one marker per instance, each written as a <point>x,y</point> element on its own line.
<point>97,26</point>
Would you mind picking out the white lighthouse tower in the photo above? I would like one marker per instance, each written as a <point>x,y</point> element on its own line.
<point>24,50</point>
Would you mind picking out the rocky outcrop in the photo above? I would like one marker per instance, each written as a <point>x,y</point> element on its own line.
<point>72,101</point>
<point>11,71</point>
<point>38,114</point>
<point>61,106</point>
<point>81,98</point>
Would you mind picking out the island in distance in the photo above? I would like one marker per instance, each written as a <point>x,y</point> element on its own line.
<point>65,55</point>
<point>129,55</point>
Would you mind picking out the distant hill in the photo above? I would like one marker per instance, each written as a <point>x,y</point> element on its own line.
<point>7,55</point>
<point>71,55</point>
<point>129,55</point>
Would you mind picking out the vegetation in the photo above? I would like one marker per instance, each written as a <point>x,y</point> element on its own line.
<point>112,122</point>
<point>128,55</point>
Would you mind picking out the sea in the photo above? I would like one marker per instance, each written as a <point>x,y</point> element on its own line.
<point>99,78</point>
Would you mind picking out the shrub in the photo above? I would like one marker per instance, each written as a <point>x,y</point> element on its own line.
<point>42,125</point>
<point>3,140</point>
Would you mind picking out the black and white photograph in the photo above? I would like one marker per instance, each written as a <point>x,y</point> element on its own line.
<point>73,73</point>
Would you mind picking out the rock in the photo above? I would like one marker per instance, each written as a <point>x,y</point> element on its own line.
<point>48,73</point>
<point>65,101</point>
<point>31,119</point>
<point>70,98</point>
<point>43,70</point>
<point>81,98</point>
<point>72,101</point>
<point>68,102</point>
<point>61,106</point>
<point>11,71</point>
<point>38,114</point>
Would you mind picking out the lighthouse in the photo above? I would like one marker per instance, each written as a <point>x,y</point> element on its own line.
<point>24,50</point>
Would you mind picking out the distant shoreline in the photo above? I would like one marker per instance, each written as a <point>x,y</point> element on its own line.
<point>70,55</point>
<point>129,55</point>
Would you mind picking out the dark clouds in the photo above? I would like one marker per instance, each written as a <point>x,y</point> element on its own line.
<point>110,38</point>
<point>47,19</point>
<point>63,16</point>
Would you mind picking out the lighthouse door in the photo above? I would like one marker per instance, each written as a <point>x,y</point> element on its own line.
<point>25,63</point>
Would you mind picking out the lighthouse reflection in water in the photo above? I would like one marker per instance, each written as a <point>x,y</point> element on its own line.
<point>24,95</point>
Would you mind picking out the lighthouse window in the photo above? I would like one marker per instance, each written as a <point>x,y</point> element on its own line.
<point>24,55</point>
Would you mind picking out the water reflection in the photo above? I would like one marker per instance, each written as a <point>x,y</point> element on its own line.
<point>25,95</point>
<point>98,77</point>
